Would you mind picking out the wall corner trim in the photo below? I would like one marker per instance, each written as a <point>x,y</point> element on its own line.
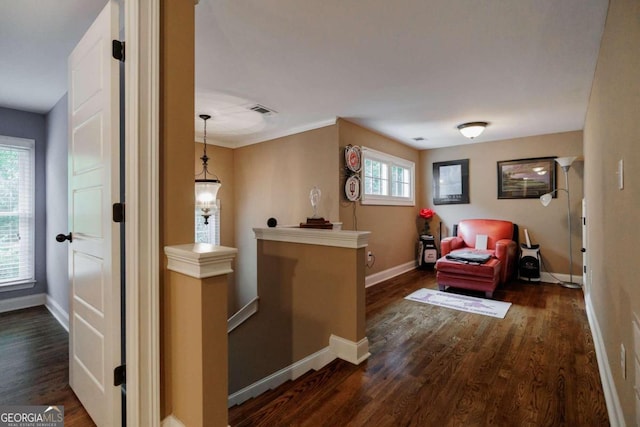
<point>548,277</point>
<point>381,276</point>
<point>58,312</point>
<point>350,351</point>
<point>341,348</point>
<point>19,303</point>
<point>314,361</point>
<point>200,260</point>
<point>243,314</point>
<point>287,132</point>
<point>172,421</point>
<point>616,415</point>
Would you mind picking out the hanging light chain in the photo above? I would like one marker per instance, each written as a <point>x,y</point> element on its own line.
<point>205,158</point>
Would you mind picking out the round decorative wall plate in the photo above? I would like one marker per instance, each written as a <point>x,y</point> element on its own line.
<point>353,158</point>
<point>352,188</point>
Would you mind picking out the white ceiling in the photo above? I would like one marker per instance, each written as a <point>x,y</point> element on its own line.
<point>406,69</point>
<point>36,38</point>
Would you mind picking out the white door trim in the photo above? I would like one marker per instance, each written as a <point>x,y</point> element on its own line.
<point>142,66</point>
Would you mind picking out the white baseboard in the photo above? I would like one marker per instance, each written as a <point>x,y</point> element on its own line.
<point>616,416</point>
<point>171,421</point>
<point>556,277</point>
<point>315,361</point>
<point>350,351</point>
<point>58,312</point>
<point>243,314</point>
<point>19,303</point>
<point>341,348</point>
<point>381,276</point>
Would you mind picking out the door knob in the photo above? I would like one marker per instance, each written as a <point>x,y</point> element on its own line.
<point>583,250</point>
<point>61,237</point>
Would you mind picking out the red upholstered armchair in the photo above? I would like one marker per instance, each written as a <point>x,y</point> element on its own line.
<point>499,242</point>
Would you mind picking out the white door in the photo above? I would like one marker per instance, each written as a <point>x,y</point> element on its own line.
<point>94,253</point>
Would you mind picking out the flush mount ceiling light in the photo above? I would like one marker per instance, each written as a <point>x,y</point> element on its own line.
<point>472,129</point>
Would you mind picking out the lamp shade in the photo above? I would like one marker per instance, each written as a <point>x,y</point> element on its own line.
<point>472,129</point>
<point>206,193</point>
<point>545,199</point>
<point>565,161</point>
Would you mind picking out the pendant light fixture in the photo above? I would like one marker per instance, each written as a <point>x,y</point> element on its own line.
<point>206,188</point>
<point>472,129</point>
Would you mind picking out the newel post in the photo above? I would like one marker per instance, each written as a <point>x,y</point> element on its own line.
<point>197,332</point>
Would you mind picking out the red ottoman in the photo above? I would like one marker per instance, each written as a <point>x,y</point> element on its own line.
<point>477,277</point>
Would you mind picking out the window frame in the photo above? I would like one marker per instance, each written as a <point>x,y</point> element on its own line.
<point>30,145</point>
<point>390,161</point>
<point>213,226</point>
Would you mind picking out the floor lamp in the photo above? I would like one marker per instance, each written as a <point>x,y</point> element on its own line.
<point>545,199</point>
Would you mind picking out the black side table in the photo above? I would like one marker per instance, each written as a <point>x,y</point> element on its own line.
<point>428,252</point>
<point>529,264</point>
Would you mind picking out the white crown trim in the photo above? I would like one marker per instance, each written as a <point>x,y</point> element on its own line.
<point>200,260</point>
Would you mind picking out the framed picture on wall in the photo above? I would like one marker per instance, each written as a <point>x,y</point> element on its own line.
<point>526,178</point>
<point>451,182</point>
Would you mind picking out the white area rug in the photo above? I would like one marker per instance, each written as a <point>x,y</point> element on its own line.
<point>461,302</point>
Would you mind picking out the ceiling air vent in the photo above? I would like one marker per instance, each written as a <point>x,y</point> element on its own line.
<point>262,109</point>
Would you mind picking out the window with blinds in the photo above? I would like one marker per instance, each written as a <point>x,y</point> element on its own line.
<point>16,211</point>
<point>208,233</point>
<point>386,179</point>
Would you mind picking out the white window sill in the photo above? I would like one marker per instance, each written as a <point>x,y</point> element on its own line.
<point>15,286</point>
<point>386,201</point>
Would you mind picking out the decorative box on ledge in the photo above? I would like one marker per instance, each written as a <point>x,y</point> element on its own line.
<point>317,223</point>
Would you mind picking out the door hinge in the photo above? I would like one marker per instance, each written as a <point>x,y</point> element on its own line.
<point>118,212</point>
<point>120,375</point>
<point>117,50</point>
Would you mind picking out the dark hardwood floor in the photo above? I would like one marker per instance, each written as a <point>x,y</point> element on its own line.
<point>429,366</point>
<point>34,364</point>
<point>433,366</point>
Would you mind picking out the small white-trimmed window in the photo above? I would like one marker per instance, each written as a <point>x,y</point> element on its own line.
<point>17,158</point>
<point>208,233</point>
<point>387,179</point>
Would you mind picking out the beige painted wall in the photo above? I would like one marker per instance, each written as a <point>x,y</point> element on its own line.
<point>273,179</point>
<point>611,134</point>
<point>394,229</point>
<point>547,226</point>
<point>307,293</point>
<point>176,160</point>
<point>199,349</point>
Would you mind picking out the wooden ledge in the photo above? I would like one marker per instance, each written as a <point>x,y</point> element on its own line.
<point>200,260</point>
<point>310,236</point>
